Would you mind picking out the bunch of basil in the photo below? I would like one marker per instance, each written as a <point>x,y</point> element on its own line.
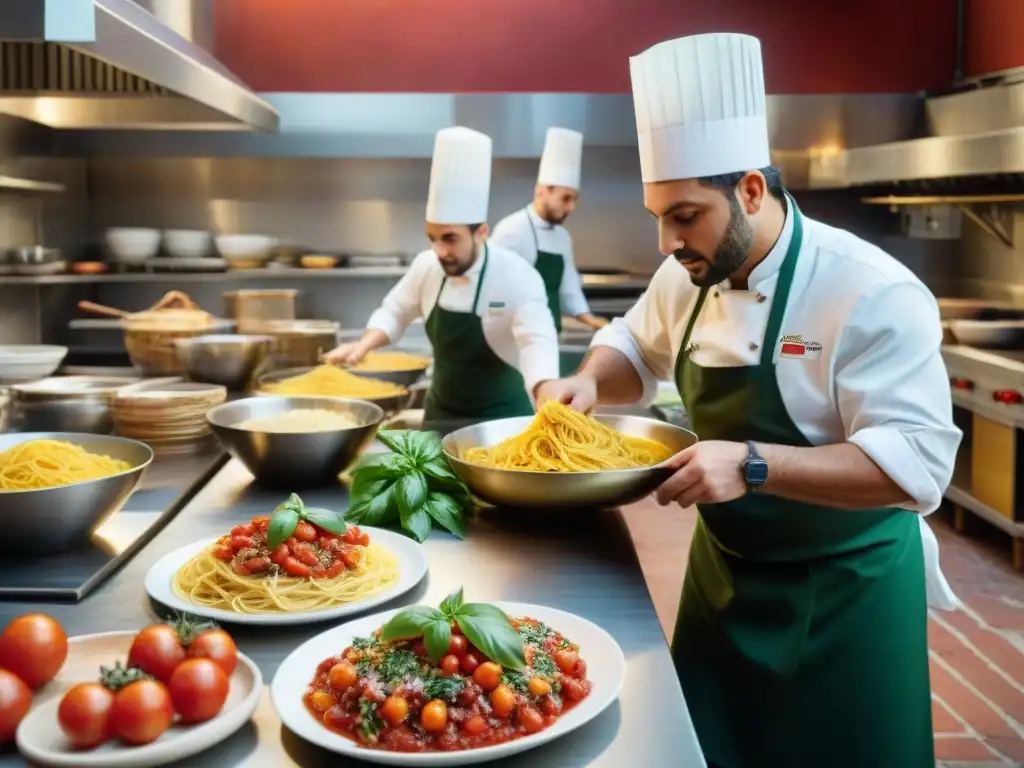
<point>413,484</point>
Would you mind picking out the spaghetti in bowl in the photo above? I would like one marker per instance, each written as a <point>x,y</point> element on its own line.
<point>59,487</point>
<point>623,467</point>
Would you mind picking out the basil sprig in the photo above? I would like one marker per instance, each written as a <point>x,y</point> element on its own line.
<point>412,485</point>
<point>485,626</point>
<point>288,514</point>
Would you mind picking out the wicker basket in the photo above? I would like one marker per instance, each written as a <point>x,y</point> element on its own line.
<point>149,338</point>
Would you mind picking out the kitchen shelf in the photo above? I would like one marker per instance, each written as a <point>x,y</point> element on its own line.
<point>28,185</point>
<point>963,500</point>
<point>209,277</point>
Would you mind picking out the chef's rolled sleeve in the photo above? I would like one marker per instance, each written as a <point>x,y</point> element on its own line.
<point>642,336</point>
<point>533,329</point>
<point>892,391</point>
<point>403,303</point>
<point>570,292</point>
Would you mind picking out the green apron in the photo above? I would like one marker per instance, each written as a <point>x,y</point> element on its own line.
<point>801,638</point>
<point>469,380</point>
<point>551,267</point>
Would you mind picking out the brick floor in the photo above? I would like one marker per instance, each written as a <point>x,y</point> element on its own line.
<point>976,654</point>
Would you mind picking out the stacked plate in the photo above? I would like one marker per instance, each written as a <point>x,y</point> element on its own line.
<point>168,415</point>
<point>21,363</point>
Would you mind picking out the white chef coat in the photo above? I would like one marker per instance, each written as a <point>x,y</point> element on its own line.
<point>513,232</point>
<point>872,372</point>
<point>513,308</point>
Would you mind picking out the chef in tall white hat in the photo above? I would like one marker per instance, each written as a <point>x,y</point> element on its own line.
<point>485,308</point>
<point>808,362</point>
<point>537,232</point>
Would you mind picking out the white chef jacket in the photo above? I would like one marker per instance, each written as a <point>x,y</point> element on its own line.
<point>871,371</point>
<point>513,308</point>
<point>513,232</point>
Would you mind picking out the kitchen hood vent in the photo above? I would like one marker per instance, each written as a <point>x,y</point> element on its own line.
<point>973,145</point>
<point>110,64</point>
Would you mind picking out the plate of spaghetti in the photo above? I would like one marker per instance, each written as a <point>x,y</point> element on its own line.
<point>296,566</point>
<point>563,458</point>
<point>458,684</point>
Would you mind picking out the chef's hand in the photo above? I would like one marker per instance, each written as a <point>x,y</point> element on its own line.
<point>706,473</point>
<point>579,392</point>
<point>351,353</point>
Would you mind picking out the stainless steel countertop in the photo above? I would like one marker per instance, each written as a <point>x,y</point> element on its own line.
<point>580,562</point>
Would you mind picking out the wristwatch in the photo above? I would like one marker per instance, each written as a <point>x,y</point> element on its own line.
<point>755,468</point>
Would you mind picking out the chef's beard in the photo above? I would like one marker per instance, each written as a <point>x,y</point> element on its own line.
<point>731,252</point>
<point>455,269</point>
<point>551,218</point>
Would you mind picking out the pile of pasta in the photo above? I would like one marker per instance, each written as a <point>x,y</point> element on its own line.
<point>561,439</point>
<point>37,464</point>
<point>331,381</point>
<point>391,361</point>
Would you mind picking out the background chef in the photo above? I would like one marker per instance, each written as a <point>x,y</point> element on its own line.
<point>486,310</point>
<point>808,361</point>
<point>536,232</point>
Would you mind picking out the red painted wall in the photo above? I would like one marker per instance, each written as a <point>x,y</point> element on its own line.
<point>993,36</point>
<point>810,46</point>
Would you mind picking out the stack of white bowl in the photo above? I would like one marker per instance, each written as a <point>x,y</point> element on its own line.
<point>21,363</point>
<point>187,243</point>
<point>133,245</point>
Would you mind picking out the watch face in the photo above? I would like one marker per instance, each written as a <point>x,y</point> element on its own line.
<point>755,471</point>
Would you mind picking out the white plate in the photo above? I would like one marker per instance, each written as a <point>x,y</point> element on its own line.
<point>41,740</point>
<point>606,669</point>
<point>412,564</point>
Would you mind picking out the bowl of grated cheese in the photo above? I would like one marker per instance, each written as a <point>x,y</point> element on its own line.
<point>296,442</point>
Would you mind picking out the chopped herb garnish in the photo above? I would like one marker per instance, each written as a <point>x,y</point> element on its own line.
<point>535,634</point>
<point>363,666</point>
<point>515,680</point>
<point>370,723</point>
<point>399,664</point>
<point>364,643</point>
<point>544,665</point>
<point>446,688</point>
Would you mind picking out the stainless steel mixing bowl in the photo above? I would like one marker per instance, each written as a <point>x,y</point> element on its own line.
<point>292,460</point>
<point>230,361</point>
<point>389,403</point>
<point>612,488</point>
<point>58,519</point>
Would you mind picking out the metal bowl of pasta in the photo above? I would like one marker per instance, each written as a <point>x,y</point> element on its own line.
<point>295,442</point>
<point>57,488</point>
<point>332,381</point>
<point>392,364</point>
<point>563,459</point>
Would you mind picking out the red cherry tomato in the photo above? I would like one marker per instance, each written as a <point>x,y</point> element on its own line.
<point>304,531</point>
<point>156,650</point>
<point>334,569</point>
<point>142,711</point>
<point>363,540</point>
<point>294,568</point>
<point>280,554</point>
<point>84,715</point>
<point>216,645</point>
<point>15,699</point>
<point>198,689</point>
<point>469,663</point>
<point>34,648</point>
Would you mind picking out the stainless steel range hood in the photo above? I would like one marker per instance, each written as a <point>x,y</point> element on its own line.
<point>111,64</point>
<point>969,137</point>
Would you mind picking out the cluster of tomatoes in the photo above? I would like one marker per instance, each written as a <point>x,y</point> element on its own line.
<point>32,651</point>
<point>176,668</point>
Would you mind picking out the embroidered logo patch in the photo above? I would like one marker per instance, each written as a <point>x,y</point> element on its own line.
<point>794,345</point>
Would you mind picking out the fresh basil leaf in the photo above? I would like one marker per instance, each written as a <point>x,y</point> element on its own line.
<point>418,524</point>
<point>327,519</point>
<point>293,502</point>
<point>439,469</point>
<point>282,525</point>
<point>490,630</point>
<point>394,439</point>
<point>378,510</point>
<point>423,446</point>
<point>436,637</point>
<point>451,604</point>
<point>410,493</point>
<point>368,460</point>
<point>366,490</point>
<point>410,623</point>
<point>446,511</point>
